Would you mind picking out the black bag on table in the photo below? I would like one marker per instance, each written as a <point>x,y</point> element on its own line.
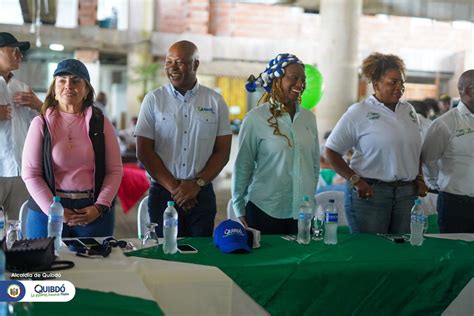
<point>30,255</point>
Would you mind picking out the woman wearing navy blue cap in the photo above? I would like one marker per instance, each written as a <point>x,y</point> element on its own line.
<point>71,151</point>
<point>278,159</point>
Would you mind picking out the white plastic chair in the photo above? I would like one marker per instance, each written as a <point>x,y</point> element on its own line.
<point>22,217</point>
<point>142,217</point>
<point>322,200</point>
<point>230,212</point>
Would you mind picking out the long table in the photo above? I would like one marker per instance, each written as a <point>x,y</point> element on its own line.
<point>121,285</point>
<point>362,274</point>
<point>104,286</point>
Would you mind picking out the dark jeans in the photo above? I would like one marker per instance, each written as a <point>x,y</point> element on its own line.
<point>196,222</point>
<point>455,213</point>
<point>267,225</point>
<point>37,222</point>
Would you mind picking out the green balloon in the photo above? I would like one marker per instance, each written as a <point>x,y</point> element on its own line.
<point>314,87</point>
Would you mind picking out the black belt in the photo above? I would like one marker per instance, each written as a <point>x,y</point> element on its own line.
<point>465,198</point>
<point>398,183</point>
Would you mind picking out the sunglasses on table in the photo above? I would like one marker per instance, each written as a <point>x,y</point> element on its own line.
<point>102,250</point>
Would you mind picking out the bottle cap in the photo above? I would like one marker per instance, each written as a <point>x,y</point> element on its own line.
<point>56,199</point>
<point>305,198</point>
<point>170,203</point>
<point>417,201</point>
<point>331,201</point>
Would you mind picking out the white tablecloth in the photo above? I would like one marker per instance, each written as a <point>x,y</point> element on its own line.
<point>178,288</point>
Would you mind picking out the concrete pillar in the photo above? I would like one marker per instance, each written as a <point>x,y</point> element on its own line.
<point>90,57</point>
<point>338,59</point>
<point>140,22</point>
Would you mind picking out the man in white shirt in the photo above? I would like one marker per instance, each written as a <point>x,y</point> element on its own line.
<point>183,140</point>
<point>448,154</point>
<point>18,106</point>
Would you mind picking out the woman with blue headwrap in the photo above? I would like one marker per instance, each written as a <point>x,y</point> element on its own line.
<point>278,159</point>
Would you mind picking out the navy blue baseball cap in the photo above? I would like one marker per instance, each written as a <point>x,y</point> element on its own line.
<point>72,67</point>
<point>230,236</point>
<point>8,40</point>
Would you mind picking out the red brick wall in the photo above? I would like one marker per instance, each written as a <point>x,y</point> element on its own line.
<point>233,19</point>
<point>172,16</point>
<point>254,20</point>
<point>179,16</point>
<point>198,16</point>
<point>87,12</point>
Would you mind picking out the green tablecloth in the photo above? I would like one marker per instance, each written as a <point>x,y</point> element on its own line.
<point>362,274</point>
<point>87,302</point>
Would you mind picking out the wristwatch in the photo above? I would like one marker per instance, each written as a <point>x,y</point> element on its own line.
<point>354,179</point>
<point>201,182</point>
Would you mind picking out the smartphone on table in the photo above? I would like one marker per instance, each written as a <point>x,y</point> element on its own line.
<point>89,242</point>
<point>185,249</point>
<point>73,243</point>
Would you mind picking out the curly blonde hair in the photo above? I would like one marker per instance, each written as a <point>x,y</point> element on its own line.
<point>275,98</point>
<point>376,65</point>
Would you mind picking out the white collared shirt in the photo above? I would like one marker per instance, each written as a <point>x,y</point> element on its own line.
<point>386,144</point>
<point>268,172</point>
<point>448,152</point>
<point>13,132</point>
<point>184,128</point>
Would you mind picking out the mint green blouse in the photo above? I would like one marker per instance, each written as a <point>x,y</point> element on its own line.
<point>270,173</point>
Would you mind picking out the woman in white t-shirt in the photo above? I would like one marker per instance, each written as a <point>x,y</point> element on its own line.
<point>383,175</point>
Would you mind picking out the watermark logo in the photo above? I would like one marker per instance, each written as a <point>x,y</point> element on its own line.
<point>14,291</point>
<point>36,291</point>
<point>50,291</point>
<point>11,291</point>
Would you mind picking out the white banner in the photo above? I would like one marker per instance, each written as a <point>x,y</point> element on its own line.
<point>48,291</point>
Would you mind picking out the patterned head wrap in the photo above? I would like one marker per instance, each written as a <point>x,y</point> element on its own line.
<point>275,69</point>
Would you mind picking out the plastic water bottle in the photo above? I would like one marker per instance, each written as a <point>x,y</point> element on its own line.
<point>2,223</point>
<point>330,224</point>
<point>170,229</point>
<point>55,222</point>
<point>304,222</point>
<point>417,224</point>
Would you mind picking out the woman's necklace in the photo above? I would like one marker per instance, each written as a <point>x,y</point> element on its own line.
<point>69,130</point>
